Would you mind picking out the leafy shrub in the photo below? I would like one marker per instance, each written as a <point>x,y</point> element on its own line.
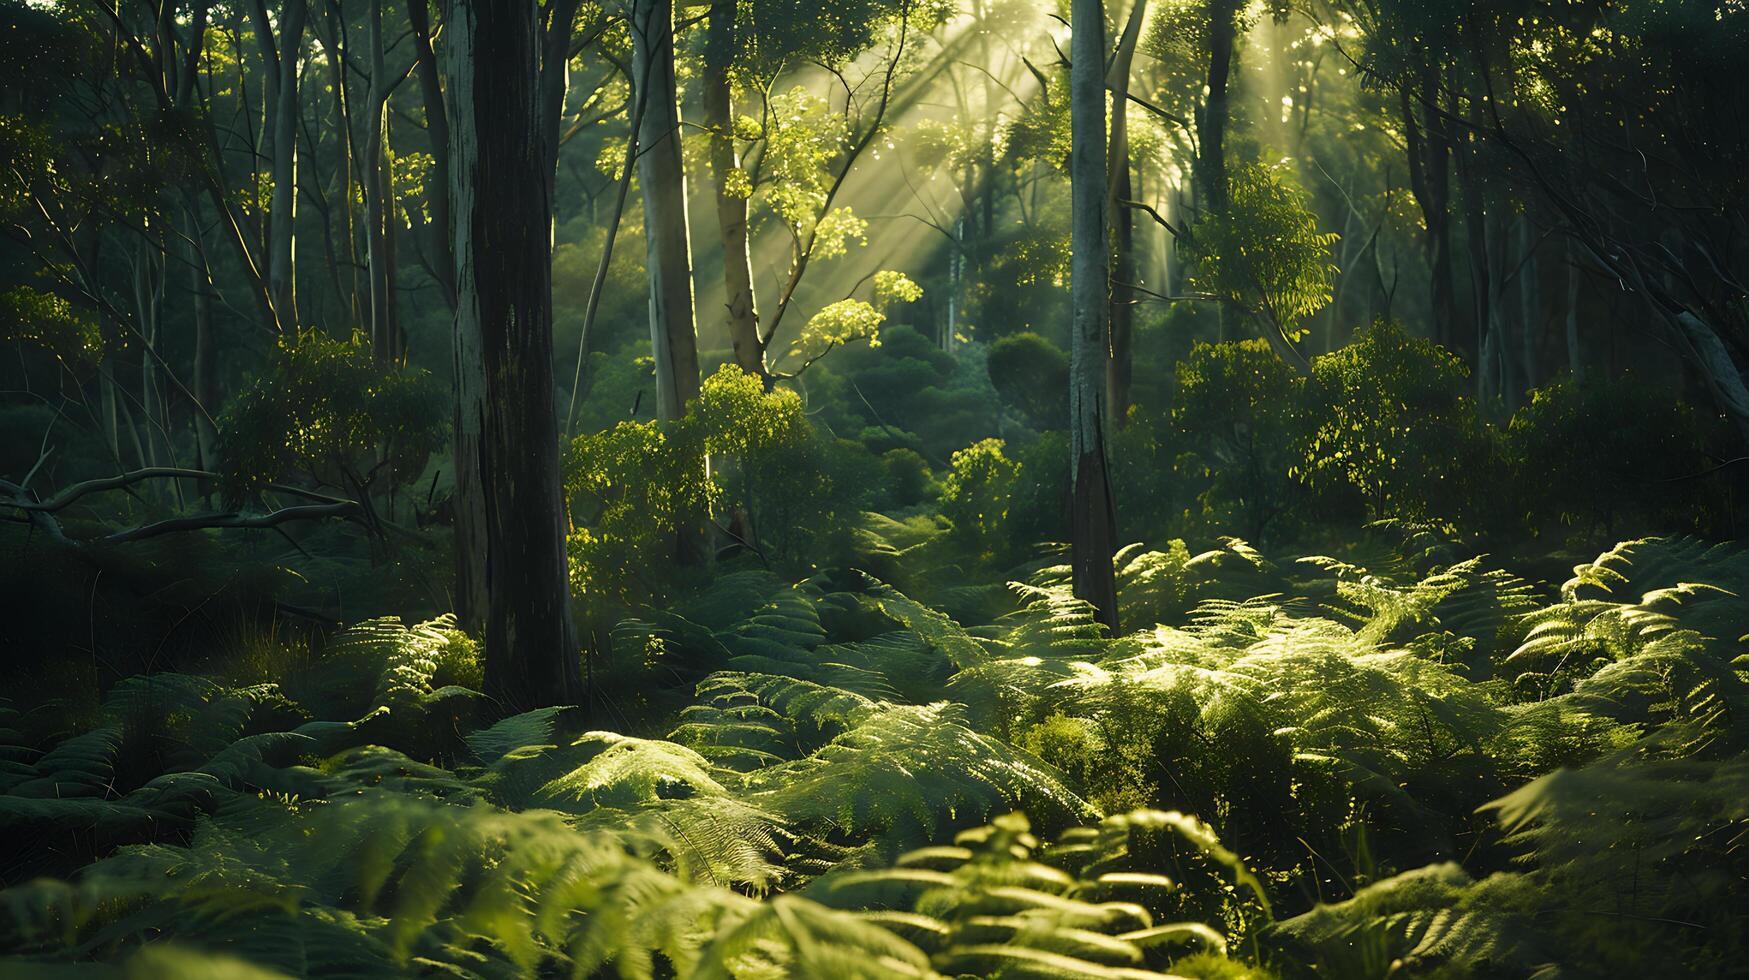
<point>908,476</point>
<point>1264,253</point>
<point>1031,376</point>
<point>1391,426</point>
<point>328,413</point>
<point>778,485</point>
<point>976,495</point>
<point>1605,453</point>
<point>1239,409</point>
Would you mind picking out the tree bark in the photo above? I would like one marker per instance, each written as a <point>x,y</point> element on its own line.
<point>1575,355</point>
<point>507,451</point>
<point>1120,365</point>
<point>379,203</point>
<point>1093,527</point>
<point>673,334</point>
<point>1481,271</point>
<point>437,130</point>
<point>719,120</point>
<point>1429,157</point>
<point>282,58</point>
<point>1211,125</point>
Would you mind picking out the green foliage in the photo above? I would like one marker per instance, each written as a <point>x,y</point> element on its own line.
<point>45,320</point>
<point>909,478</point>
<point>326,411</point>
<point>633,488</point>
<point>1238,408</point>
<point>852,319</point>
<point>1603,452</point>
<point>1344,750</point>
<point>1391,424</point>
<point>976,495</point>
<point>1265,254</point>
<point>1031,376</point>
<point>630,488</point>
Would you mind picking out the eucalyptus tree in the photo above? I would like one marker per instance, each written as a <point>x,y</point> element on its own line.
<point>782,162</point>
<point>1093,523</point>
<point>662,181</point>
<point>510,515</point>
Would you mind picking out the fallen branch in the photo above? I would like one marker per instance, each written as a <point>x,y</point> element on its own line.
<point>197,522</point>
<point>67,497</point>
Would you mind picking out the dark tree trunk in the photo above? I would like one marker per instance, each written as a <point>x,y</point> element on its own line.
<point>1211,128</point>
<point>437,131</point>
<point>1211,125</point>
<point>1429,157</point>
<point>507,428</point>
<point>1093,527</point>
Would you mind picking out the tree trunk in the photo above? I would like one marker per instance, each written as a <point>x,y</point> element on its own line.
<point>1120,366</point>
<point>437,130</point>
<point>1530,306</point>
<point>1481,269</point>
<point>1429,157</point>
<point>1211,125</point>
<point>507,429</point>
<point>344,178</point>
<point>205,376</point>
<point>379,203</point>
<point>1093,528</point>
<point>731,206</point>
<point>282,58</point>
<point>1575,358</point>
<point>673,335</point>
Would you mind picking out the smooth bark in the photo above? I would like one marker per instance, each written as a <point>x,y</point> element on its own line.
<point>1093,527</point>
<point>718,103</point>
<point>662,179</point>
<point>1120,365</point>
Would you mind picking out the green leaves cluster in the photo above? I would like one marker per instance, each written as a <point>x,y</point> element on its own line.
<point>633,488</point>
<point>328,412</point>
<point>48,321</point>
<point>976,494</point>
<point>1265,253</point>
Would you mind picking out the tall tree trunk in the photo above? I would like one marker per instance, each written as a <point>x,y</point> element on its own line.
<point>282,221</point>
<point>1575,356</point>
<point>1120,366</point>
<point>1093,527</point>
<point>437,131</point>
<point>205,375</point>
<point>1530,306</point>
<point>507,428</point>
<point>662,179</point>
<point>1429,157</point>
<point>379,202</point>
<point>344,172</point>
<point>1211,125</point>
<point>1481,271</point>
<point>719,116</point>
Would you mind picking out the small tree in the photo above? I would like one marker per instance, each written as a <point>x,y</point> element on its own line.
<point>1389,419</point>
<point>1265,255</point>
<point>328,414</point>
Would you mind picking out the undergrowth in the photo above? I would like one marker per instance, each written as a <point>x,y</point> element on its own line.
<point>1394,762</point>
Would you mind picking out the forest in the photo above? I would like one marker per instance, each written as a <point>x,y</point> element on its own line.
<point>1022,489</point>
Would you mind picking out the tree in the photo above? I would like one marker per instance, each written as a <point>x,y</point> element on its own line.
<point>1120,368</point>
<point>283,57</point>
<point>1093,524</point>
<point>507,446</point>
<point>662,179</point>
